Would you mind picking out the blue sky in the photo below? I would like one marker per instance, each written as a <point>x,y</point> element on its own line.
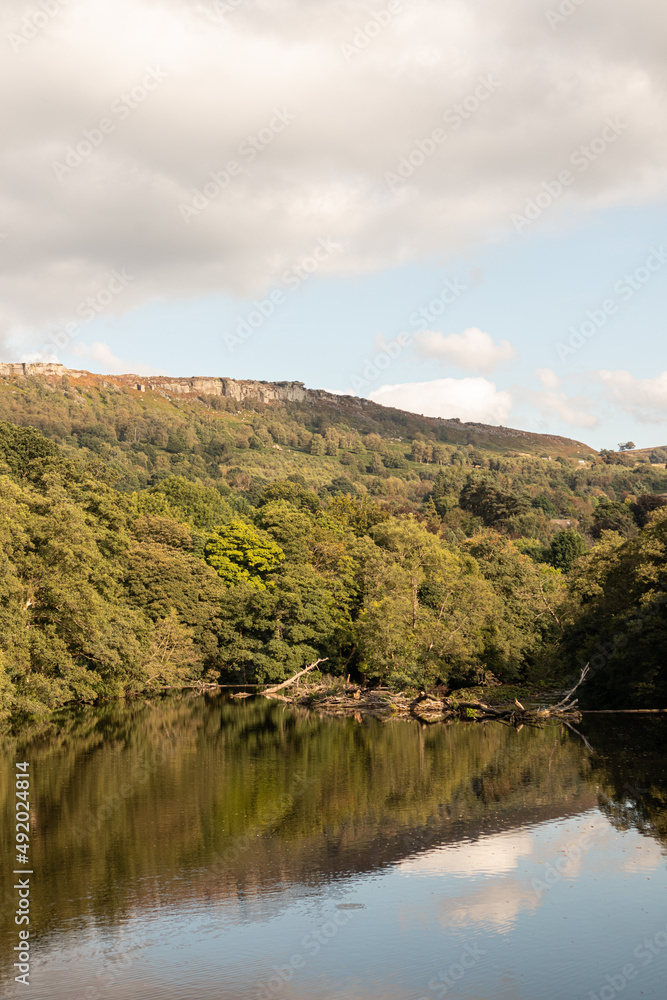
<point>229,192</point>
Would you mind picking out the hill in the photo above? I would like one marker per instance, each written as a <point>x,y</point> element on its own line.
<point>226,395</point>
<point>158,532</point>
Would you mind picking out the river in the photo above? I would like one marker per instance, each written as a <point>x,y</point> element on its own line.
<point>199,847</point>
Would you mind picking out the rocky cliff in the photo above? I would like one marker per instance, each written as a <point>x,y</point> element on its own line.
<point>239,389</point>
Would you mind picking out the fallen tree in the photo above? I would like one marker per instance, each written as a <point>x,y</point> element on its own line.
<point>272,691</point>
<point>336,698</point>
<point>566,710</point>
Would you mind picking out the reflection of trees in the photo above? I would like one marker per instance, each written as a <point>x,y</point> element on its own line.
<point>140,803</point>
<point>629,768</point>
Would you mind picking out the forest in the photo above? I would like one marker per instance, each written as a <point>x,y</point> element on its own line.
<point>151,543</point>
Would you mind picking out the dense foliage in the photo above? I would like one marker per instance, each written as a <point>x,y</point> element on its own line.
<point>149,543</point>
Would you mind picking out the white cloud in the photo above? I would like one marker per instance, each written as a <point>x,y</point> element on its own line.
<point>644,398</point>
<point>470,399</point>
<point>574,410</point>
<point>102,355</point>
<point>548,378</point>
<point>324,175</point>
<point>472,350</point>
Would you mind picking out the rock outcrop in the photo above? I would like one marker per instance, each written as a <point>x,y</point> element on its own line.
<point>239,389</point>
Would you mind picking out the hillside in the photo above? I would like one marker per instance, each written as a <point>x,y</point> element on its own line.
<point>362,415</point>
<point>157,532</point>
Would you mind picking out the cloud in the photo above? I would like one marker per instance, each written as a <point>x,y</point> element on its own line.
<point>102,355</point>
<point>644,398</point>
<point>550,400</point>
<point>548,378</point>
<point>226,79</point>
<point>571,409</point>
<point>470,399</point>
<point>472,350</point>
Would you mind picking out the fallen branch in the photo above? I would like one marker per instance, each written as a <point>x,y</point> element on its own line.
<point>278,687</point>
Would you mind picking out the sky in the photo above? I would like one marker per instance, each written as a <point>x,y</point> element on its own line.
<point>456,207</point>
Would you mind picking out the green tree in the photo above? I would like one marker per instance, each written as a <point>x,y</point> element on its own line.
<point>423,609</point>
<point>269,635</point>
<point>239,553</point>
<point>610,515</point>
<point>494,504</point>
<point>566,547</point>
<point>616,619</point>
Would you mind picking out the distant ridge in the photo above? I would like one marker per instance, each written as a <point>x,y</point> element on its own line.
<point>352,408</point>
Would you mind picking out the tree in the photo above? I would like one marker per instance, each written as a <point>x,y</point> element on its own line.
<point>294,492</point>
<point>270,634</point>
<point>610,515</point>
<point>493,503</point>
<point>542,502</point>
<point>616,619</point>
<point>445,492</point>
<point>172,658</point>
<point>376,466</point>
<point>239,553</point>
<point>645,505</point>
<point>160,579</point>
<point>317,445</point>
<point>423,607</point>
<point>628,446</point>
<point>528,593</point>
<point>566,547</point>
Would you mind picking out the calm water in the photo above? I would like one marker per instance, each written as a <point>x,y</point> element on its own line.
<point>202,848</point>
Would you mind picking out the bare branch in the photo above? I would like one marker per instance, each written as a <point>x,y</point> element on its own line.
<point>271,691</point>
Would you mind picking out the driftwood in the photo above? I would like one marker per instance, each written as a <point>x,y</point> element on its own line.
<point>384,704</point>
<point>565,710</point>
<point>270,692</point>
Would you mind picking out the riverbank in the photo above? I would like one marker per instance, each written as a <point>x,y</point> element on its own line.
<point>512,704</point>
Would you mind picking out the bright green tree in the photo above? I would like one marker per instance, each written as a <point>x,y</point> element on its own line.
<point>240,553</point>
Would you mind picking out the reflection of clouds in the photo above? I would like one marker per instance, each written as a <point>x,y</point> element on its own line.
<point>567,849</point>
<point>556,851</point>
<point>646,857</point>
<point>486,856</point>
<point>495,905</point>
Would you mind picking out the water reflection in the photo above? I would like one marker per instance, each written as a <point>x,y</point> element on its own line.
<point>194,846</point>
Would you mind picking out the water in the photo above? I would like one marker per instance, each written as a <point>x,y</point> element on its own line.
<point>206,848</point>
